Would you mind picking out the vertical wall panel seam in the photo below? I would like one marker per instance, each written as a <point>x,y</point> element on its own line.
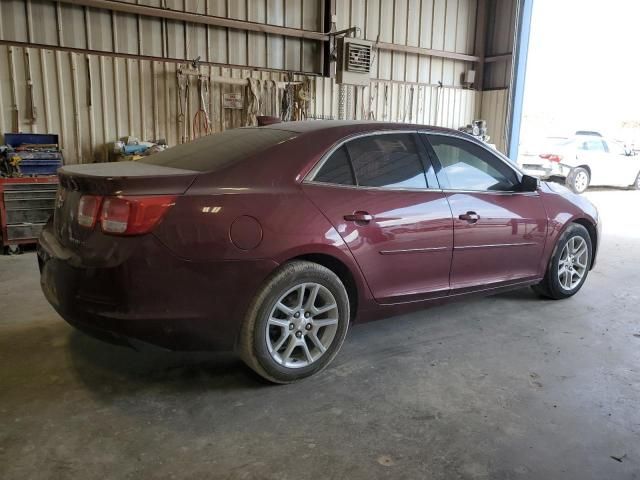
<point>76,107</point>
<point>44,73</point>
<point>62,134</point>
<point>103,105</point>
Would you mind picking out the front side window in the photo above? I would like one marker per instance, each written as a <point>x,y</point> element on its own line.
<point>387,161</point>
<point>468,166</point>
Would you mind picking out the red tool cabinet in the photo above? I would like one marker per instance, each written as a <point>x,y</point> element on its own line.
<point>26,203</point>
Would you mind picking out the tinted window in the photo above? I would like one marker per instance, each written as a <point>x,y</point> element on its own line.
<point>388,160</point>
<point>336,169</point>
<point>219,150</point>
<point>470,167</point>
<point>592,146</point>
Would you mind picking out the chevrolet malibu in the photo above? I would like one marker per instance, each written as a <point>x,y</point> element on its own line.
<point>271,241</point>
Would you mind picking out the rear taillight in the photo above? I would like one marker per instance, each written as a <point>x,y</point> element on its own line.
<point>115,215</point>
<point>551,157</point>
<point>133,215</point>
<point>88,209</point>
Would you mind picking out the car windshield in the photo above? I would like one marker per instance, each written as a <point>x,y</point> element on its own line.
<point>219,150</point>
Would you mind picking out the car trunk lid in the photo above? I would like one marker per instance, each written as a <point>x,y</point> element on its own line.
<point>109,179</point>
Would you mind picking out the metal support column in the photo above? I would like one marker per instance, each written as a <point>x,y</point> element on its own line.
<point>519,74</point>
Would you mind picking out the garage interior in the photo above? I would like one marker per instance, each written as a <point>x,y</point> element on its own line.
<point>504,387</point>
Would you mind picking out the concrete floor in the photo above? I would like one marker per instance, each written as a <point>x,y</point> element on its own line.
<point>504,387</point>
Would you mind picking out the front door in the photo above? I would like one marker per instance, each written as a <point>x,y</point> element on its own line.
<point>592,152</point>
<point>398,225</point>
<point>499,233</point>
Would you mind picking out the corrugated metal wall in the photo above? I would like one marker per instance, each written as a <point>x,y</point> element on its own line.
<point>494,102</point>
<point>58,24</point>
<point>92,100</point>
<point>447,25</point>
<point>500,40</point>
<point>120,78</point>
<point>494,111</point>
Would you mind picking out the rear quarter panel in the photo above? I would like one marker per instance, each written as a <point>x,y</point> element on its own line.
<point>199,228</point>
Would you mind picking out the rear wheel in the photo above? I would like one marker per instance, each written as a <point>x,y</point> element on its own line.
<point>578,180</point>
<point>296,324</point>
<point>569,264</point>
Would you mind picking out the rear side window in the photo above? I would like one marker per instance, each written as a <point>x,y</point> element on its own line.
<point>220,149</point>
<point>336,169</point>
<point>387,161</point>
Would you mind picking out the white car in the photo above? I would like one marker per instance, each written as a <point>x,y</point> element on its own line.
<point>582,161</point>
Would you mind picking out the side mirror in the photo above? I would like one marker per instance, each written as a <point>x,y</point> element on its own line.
<point>529,183</point>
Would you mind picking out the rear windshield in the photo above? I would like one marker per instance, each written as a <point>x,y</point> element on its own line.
<point>219,150</point>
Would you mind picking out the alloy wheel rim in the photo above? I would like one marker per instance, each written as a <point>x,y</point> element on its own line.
<point>572,266</point>
<point>581,181</point>
<point>302,325</point>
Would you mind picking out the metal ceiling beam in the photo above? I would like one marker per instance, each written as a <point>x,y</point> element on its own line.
<point>137,9</point>
<point>499,58</point>
<point>394,47</point>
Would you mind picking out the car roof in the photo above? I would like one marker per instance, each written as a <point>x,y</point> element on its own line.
<point>306,126</point>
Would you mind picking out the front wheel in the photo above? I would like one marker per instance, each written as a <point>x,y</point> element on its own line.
<point>296,324</point>
<point>578,180</point>
<point>569,264</point>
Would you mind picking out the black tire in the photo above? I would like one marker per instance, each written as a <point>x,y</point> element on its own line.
<point>253,346</point>
<point>13,249</point>
<point>575,180</point>
<point>550,286</point>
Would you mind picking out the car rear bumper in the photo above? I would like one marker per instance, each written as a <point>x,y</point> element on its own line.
<point>544,171</point>
<point>152,297</point>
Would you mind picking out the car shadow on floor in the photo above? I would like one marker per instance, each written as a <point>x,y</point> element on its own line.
<point>110,369</point>
<point>522,294</point>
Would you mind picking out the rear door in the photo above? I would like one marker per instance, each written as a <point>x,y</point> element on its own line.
<point>381,194</point>
<point>499,233</point>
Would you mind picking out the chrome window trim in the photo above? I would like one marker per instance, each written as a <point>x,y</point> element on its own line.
<point>492,192</point>
<point>495,153</point>
<point>358,187</point>
<point>309,177</point>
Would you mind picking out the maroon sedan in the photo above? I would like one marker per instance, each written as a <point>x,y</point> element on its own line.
<point>272,240</point>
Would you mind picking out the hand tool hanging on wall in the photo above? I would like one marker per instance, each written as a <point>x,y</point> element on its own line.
<point>286,109</point>
<point>302,97</point>
<point>15,111</point>
<point>371,115</point>
<point>31,104</point>
<point>254,100</point>
<point>201,120</point>
<point>183,100</point>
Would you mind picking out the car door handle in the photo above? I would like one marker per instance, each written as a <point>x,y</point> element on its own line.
<point>471,217</point>
<point>359,217</point>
